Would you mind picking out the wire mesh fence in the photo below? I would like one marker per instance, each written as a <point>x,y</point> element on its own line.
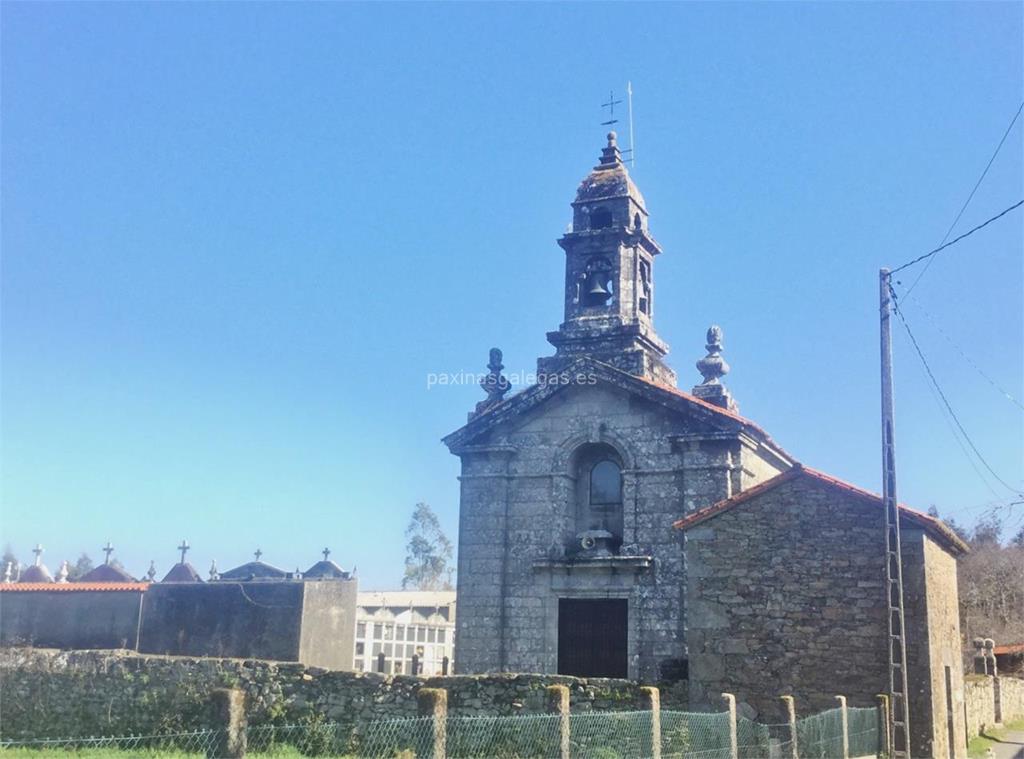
<point>863,728</point>
<point>187,743</point>
<point>820,736</point>
<point>591,735</point>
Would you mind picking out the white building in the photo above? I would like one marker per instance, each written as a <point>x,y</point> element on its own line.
<point>401,624</point>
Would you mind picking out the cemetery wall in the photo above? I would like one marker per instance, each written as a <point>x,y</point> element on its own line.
<point>70,617</point>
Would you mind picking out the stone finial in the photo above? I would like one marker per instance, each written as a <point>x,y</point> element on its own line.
<point>214,574</point>
<point>9,572</point>
<point>712,368</point>
<point>151,572</point>
<point>63,572</point>
<point>494,383</point>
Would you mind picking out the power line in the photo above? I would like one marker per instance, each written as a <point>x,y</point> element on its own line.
<point>960,444</point>
<point>965,357</point>
<point>942,395</point>
<point>971,196</point>
<point>968,233</point>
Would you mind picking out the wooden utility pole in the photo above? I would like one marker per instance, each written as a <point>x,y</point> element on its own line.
<point>893,554</point>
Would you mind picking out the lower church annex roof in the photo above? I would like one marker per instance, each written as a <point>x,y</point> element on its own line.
<point>933,526</point>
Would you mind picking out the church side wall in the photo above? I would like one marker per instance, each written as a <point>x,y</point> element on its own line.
<point>933,647</point>
<point>786,596</point>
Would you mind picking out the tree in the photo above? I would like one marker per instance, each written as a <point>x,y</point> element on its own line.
<point>987,531</point>
<point>961,532</point>
<point>428,552</point>
<point>1018,539</point>
<point>80,568</point>
<point>11,559</point>
<point>991,584</point>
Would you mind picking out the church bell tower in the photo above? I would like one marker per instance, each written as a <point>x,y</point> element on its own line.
<point>609,278</point>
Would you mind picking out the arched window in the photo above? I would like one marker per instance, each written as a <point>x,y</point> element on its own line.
<point>605,484</point>
<point>598,468</point>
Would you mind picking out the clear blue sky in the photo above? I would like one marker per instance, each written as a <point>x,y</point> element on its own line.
<point>237,238</point>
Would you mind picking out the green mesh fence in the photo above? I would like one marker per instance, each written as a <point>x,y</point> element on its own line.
<point>610,735</point>
<point>523,736</point>
<point>820,736</point>
<point>189,743</point>
<point>862,724</point>
<point>592,735</point>
<point>388,738</point>
<point>694,734</point>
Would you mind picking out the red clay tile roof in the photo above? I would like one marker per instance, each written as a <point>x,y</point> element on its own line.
<point>1009,648</point>
<point>932,525</point>
<point>69,587</point>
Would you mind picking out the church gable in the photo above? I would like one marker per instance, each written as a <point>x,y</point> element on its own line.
<point>581,409</point>
<point>612,393</point>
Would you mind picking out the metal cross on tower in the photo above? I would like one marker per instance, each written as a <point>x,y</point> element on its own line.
<point>38,551</point>
<point>107,549</point>
<point>257,554</point>
<point>610,105</point>
<point>629,153</point>
<point>184,549</point>
<point>326,552</point>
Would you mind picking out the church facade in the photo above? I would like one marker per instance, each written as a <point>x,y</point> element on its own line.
<point>568,561</point>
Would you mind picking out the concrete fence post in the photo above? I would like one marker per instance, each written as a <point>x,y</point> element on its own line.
<point>884,724</point>
<point>845,726</point>
<point>229,711</point>
<point>789,704</point>
<point>650,700</point>
<point>734,741</point>
<point>557,697</point>
<point>997,698</point>
<point>433,702</point>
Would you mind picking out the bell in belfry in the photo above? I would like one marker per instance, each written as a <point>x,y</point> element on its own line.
<point>597,290</point>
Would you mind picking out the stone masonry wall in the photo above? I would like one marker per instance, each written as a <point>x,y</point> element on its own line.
<point>979,702</point>
<point>49,693</point>
<point>518,508</point>
<point>1011,698</point>
<point>786,596</point>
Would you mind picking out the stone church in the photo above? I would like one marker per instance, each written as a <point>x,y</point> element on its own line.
<point>613,525</point>
<point>568,559</point>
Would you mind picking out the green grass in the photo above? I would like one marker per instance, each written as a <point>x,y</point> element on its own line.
<point>282,752</point>
<point>978,745</point>
<point>95,753</point>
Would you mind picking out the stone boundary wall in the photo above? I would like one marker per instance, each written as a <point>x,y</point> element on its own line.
<point>980,701</point>
<point>1011,698</point>
<point>45,693</point>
